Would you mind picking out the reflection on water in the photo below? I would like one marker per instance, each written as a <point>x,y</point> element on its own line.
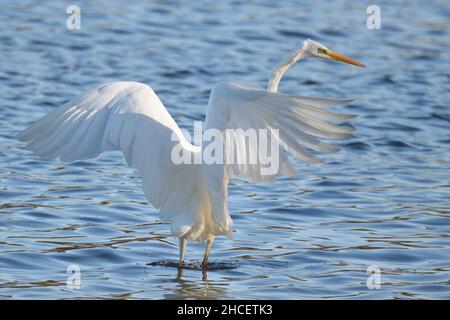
<point>194,289</point>
<point>381,201</point>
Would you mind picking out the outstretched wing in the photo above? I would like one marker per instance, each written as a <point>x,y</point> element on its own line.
<point>296,123</point>
<point>126,116</point>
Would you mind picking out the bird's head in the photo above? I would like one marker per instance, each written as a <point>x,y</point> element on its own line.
<point>315,49</point>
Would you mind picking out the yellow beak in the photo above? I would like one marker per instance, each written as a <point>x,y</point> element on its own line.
<point>339,57</point>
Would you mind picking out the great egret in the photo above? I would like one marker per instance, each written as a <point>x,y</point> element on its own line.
<point>129,116</point>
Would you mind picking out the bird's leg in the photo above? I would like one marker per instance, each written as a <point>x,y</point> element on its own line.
<point>182,250</point>
<point>208,248</point>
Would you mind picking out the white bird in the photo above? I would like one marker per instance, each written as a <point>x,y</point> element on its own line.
<point>129,116</point>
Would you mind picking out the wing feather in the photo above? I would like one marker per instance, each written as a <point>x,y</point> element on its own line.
<point>126,116</point>
<point>296,123</point>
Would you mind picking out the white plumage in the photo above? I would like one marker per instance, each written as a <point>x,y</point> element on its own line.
<point>129,116</point>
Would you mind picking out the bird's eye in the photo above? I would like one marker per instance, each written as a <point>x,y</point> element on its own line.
<point>321,50</point>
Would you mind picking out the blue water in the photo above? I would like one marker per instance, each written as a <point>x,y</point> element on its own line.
<point>383,200</point>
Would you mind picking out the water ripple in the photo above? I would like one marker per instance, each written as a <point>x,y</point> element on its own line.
<point>381,201</point>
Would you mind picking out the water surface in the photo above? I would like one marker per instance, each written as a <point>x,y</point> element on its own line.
<point>382,201</point>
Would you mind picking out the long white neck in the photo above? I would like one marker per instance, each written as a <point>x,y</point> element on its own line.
<point>276,76</point>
